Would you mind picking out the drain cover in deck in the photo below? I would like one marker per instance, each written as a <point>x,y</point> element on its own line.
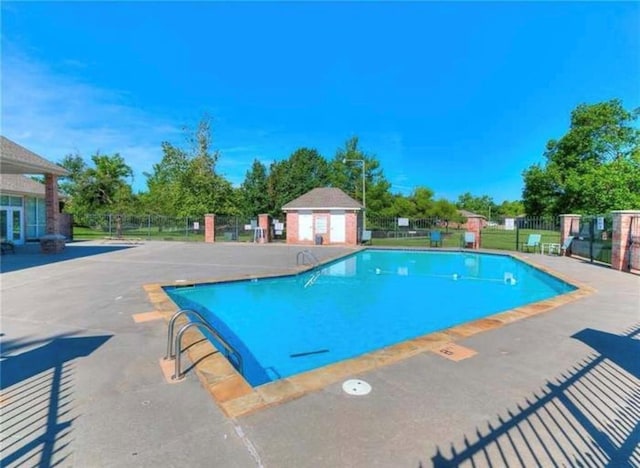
<point>356,387</point>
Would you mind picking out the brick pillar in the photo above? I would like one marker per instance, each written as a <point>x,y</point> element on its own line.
<point>474,224</point>
<point>568,223</point>
<point>51,203</point>
<point>264,222</point>
<point>292,227</point>
<point>52,241</point>
<point>620,239</point>
<point>210,228</point>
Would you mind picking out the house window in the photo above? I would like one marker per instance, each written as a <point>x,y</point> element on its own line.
<point>36,217</point>
<point>8,200</point>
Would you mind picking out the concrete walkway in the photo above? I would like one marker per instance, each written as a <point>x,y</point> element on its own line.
<point>81,382</point>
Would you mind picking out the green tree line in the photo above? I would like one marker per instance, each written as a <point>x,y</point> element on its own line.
<point>594,167</point>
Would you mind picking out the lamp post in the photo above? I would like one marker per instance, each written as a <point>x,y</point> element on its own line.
<point>364,197</point>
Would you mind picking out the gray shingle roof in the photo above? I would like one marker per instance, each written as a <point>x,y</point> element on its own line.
<point>15,159</point>
<point>469,214</point>
<point>19,184</point>
<point>323,198</point>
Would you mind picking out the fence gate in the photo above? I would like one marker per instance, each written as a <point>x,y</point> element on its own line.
<point>634,243</point>
<point>234,228</point>
<point>592,238</point>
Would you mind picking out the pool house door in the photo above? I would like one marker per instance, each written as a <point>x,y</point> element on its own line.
<point>337,230</point>
<point>11,224</point>
<point>305,226</point>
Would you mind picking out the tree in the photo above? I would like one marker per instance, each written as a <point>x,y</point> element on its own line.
<point>77,167</point>
<point>400,207</point>
<point>594,167</point>
<point>510,209</point>
<point>444,210</point>
<point>185,182</point>
<point>423,202</point>
<point>103,187</point>
<point>483,205</point>
<point>346,174</point>
<point>253,191</point>
<point>304,170</point>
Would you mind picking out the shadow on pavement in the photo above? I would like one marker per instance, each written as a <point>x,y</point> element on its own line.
<point>590,416</point>
<point>36,398</point>
<point>29,256</point>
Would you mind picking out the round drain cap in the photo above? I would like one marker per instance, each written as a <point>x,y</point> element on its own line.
<point>356,387</point>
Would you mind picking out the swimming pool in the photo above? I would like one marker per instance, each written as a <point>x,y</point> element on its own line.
<point>366,301</point>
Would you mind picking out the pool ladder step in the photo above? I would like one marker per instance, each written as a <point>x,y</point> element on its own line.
<point>174,344</point>
<point>313,279</point>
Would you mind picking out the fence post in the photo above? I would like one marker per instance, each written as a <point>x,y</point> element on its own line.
<point>110,235</point>
<point>567,227</point>
<point>474,224</point>
<point>591,236</point>
<point>210,228</point>
<point>620,239</point>
<point>264,223</point>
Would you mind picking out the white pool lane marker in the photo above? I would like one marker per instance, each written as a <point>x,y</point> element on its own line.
<point>356,387</point>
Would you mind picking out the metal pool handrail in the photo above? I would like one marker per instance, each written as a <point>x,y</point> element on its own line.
<point>309,255</point>
<point>170,349</point>
<point>175,350</point>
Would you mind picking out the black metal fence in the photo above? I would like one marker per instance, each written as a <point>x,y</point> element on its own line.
<point>521,233</point>
<point>244,229</point>
<point>382,227</point>
<point>234,228</point>
<point>116,226</point>
<point>592,237</point>
<point>592,234</point>
<point>500,233</point>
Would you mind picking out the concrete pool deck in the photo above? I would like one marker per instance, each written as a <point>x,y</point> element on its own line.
<point>562,385</point>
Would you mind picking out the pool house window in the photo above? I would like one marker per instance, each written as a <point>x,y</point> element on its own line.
<point>36,217</point>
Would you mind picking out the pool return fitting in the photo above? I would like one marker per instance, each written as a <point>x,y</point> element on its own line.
<point>174,345</point>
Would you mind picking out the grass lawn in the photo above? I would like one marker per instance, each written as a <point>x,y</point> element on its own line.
<point>85,233</point>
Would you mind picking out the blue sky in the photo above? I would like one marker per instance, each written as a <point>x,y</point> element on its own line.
<point>458,97</point>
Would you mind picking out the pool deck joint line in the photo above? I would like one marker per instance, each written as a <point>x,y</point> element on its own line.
<point>236,397</point>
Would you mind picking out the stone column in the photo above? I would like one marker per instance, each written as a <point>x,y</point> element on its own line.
<point>621,238</point>
<point>474,224</point>
<point>264,222</point>
<point>52,241</point>
<point>210,228</point>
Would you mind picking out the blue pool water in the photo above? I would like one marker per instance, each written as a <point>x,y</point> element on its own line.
<point>369,300</point>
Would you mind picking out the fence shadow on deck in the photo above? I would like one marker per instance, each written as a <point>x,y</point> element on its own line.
<point>36,398</point>
<point>589,416</point>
